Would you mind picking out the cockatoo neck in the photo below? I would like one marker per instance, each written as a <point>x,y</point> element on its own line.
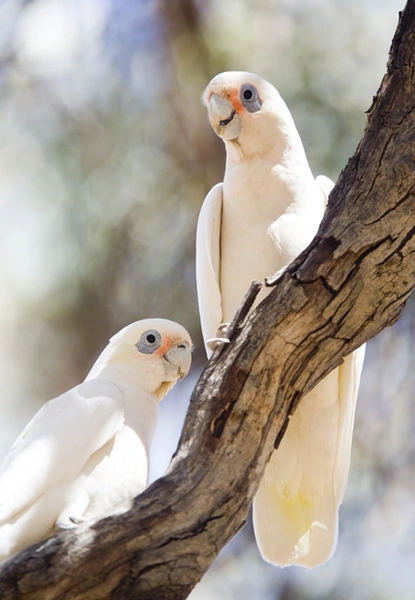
<point>273,139</point>
<point>141,405</point>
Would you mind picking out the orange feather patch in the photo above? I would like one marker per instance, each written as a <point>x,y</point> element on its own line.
<point>168,342</point>
<point>233,96</point>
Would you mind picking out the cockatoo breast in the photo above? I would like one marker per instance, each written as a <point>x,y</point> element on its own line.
<point>268,218</point>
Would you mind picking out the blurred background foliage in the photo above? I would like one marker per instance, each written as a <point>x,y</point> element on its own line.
<point>106,155</point>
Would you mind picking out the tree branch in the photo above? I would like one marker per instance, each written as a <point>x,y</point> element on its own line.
<point>351,282</point>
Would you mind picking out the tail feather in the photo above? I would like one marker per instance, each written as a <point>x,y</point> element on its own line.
<point>295,510</point>
<point>295,530</point>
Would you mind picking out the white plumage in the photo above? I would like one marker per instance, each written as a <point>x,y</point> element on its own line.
<point>266,211</point>
<point>86,451</point>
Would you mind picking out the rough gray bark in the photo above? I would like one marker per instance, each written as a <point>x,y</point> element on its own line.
<point>351,282</point>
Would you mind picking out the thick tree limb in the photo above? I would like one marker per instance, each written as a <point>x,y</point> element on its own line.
<point>350,283</point>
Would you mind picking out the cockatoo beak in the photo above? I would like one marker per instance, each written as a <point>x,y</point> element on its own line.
<point>180,358</point>
<point>223,117</point>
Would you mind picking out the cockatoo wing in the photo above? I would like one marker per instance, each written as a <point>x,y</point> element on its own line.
<point>208,263</point>
<point>349,378</point>
<point>295,509</point>
<point>57,443</point>
<point>326,185</point>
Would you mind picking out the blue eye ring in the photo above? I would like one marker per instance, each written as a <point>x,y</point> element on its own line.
<point>249,97</point>
<point>150,341</point>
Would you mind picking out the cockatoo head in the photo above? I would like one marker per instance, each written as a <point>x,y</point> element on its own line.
<point>151,354</point>
<point>246,110</point>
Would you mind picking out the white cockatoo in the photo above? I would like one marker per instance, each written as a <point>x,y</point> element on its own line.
<point>87,451</point>
<point>266,211</point>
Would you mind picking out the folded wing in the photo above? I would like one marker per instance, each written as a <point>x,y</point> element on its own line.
<point>208,263</point>
<point>57,442</point>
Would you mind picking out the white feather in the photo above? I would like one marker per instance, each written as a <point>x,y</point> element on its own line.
<point>56,444</point>
<point>86,452</point>
<point>267,211</point>
<point>208,262</point>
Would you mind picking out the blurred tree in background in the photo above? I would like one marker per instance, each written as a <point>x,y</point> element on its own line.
<point>106,156</point>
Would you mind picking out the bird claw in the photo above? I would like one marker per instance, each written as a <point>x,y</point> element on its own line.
<point>272,279</point>
<point>216,341</point>
<point>68,523</point>
<point>220,337</point>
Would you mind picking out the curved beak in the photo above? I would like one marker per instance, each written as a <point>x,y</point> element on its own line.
<point>223,117</point>
<point>180,357</point>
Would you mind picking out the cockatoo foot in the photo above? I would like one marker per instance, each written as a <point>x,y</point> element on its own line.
<point>68,523</point>
<point>220,337</point>
<point>272,279</point>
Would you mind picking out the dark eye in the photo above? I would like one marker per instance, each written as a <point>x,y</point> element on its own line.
<point>250,98</point>
<point>149,342</point>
